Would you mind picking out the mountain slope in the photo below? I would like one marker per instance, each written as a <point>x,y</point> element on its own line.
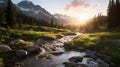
<point>64,19</point>
<point>30,9</point>
<point>3,3</point>
<point>19,17</point>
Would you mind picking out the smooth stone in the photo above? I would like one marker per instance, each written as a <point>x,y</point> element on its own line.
<point>18,41</point>
<point>70,64</point>
<point>34,49</point>
<point>76,59</point>
<point>21,53</point>
<point>5,48</point>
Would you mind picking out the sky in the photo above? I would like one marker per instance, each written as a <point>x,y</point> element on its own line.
<point>74,8</point>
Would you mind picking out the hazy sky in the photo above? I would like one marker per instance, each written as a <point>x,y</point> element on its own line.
<point>75,8</point>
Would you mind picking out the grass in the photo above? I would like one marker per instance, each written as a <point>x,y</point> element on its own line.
<point>1,63</point>
<point>99,41</point>
<point>43,28</point>
<point>31,33</point>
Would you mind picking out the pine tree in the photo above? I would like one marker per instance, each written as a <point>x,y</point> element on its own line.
<point>2,17</point>
<point>52,23</point>
<point>10,15</point>
<point>110,13</point>
<point>113,14</point>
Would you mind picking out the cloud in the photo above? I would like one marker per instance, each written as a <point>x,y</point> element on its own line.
<point>77,3</point>
<point>79,8</point>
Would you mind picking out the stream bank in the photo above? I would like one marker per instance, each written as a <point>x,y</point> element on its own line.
<point>54,55</point>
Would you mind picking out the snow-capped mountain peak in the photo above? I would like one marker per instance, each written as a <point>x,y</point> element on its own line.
<point>30,9</point>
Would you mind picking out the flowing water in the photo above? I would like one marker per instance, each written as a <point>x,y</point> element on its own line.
<point>53,60</point>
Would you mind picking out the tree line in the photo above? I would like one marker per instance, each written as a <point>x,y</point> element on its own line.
<point>114,13</point>
<point>10,17</point>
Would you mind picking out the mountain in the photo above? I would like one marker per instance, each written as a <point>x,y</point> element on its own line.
<point>36,11</point>
<point>64,19</point>
<point>13,17</point>
<point>3,3</point>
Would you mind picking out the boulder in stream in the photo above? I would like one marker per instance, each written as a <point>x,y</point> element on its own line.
<point>5,48</point>
<point>57,52</point>
<point>34,49</point>
<point>76,59</point>
<point>21,53</point>
<point>70,64</point>
<point>73,64</point>
<point>43,55</point>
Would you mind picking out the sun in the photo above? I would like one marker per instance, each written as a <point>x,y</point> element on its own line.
<point>83,19</point>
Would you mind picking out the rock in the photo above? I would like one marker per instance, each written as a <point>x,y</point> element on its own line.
<point>57,52</point>
<point>107,58</point>
<point>5,48</point>
<point>113,64</point>
<point>101,63</point>
<point>39,42</point>
<point>48,57</point>
<point>42,55</point>
<point>34,49</point>
<point>92,54</point>
<point>17,65</point>
<point>80,49</point>
<point>18,41</point>
<point>87,56</point>
<point>70,64</point>
<point>67,46</point>
<point>76,59</point>
<point>82,65</point>
<point>21,53</point>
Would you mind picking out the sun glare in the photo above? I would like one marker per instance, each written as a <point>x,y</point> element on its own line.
<point>83,19</point>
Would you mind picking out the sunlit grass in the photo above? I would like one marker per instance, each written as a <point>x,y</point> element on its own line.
<point>99,41</point>
<point>95,39</point>
<point>1,63</point>
<point>30,33</point>
<point>44,28</point>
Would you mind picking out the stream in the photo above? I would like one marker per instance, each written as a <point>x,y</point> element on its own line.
<point>55,58</point>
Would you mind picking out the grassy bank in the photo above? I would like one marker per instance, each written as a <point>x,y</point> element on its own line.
<point>28,34</point>
<point>31,33</point>
<point>105,42</point>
